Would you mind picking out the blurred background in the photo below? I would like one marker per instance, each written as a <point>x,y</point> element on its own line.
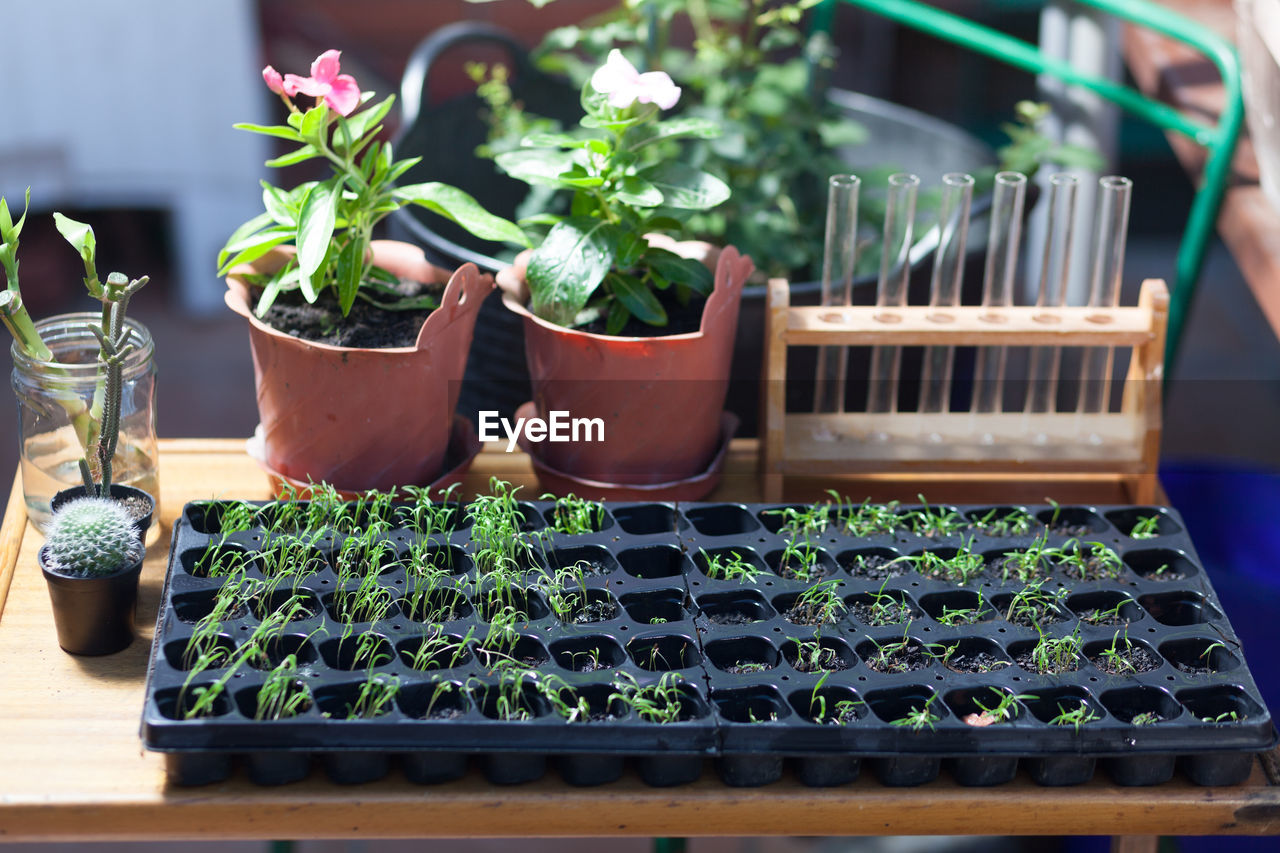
<point>120,114</point>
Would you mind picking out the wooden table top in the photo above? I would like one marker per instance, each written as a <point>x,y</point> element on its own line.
<point>72,766</point>
<point>1181,76</point>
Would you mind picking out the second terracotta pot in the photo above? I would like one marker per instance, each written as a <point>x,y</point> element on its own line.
<point>659,398</point>
<point>363,418</point>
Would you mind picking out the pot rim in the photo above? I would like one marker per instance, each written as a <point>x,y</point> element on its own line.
<point>236,297</point>
<point>56,576</point>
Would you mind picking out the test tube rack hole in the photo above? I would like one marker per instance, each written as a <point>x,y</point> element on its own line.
<point>1124,445</point>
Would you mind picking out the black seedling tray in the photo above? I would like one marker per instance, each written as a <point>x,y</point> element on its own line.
<point>670,616</point>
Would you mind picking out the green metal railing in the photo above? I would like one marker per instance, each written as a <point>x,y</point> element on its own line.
<point>1219,140</point>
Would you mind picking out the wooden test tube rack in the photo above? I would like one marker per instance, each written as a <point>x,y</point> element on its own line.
<point>1127,448</point>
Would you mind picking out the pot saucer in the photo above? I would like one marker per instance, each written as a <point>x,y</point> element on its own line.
<point>689,489</point>
<point>464,444</point>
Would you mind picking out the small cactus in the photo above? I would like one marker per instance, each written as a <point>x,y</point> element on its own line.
<point>89,537</point>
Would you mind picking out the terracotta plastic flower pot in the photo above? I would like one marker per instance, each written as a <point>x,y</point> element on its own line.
<point>363,418</point>
<point>93,616</point>
<point>659,398</point>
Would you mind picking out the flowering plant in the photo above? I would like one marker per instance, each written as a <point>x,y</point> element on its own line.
<point>596,263</point>
<point>331,221</point>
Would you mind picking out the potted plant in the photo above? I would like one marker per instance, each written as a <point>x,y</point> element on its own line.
<point>358,345</point>
<point>624,325</point>
<point>92,556</point>
<point>68,370</point>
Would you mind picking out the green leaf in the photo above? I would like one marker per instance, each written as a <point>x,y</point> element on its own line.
<point>618,317</point>
<point>569,266</point>
<point>9,230</point>
<point>78,234</point>
<point>251,250</point>
<point>313,121</point>
<point>453,203</point>
<point>639,299</point>
<point>284,279</point>
<point>694,126</point>
<point>350,268</point>
<point>631,247</point>
<point>306,152</point>
<point>270,130</point>
<point>686,187</point>
<point>538,166</point>
<point>277,203</point>
<point>686,271</point>
<point>638,192</point>
<point>554,140</point>
<point>262,220</point>
<point>315,231</point>
<point>360,123</point>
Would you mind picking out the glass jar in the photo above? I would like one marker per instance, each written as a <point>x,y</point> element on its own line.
<point>57,400</point>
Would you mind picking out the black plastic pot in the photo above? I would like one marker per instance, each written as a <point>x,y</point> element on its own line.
<point>747,697</point>
<point>446,135</point>
<point>93,616</point>
<point>119,492</point>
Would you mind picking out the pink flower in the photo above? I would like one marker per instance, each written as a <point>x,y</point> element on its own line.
<point>624,85</point>
<point>339,91</point>
<point>274,81</point>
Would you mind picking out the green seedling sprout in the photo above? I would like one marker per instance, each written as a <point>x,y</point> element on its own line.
<point>236,517</point>
<point>1017,522</point>
<point>364,553</point>
<point>1116,660</point>
<point>369,601</point>
<point>1035,607</point>
<point>960,568</point>
<point>565,700</point>
<point>729,566</point>
<point>426,517</point>
<point>428,558</point>
<point>290,556</point>
<point>884,658</point>
<point>575,516</point>
<point>812,656</point>
<point>1028,563</point>
<point>820,604</point>
<point>660,702</point>
<point>282,694</point>
<point>841,713</point>
<point>799,561</point>
<point>375,696</point>
<point>1076,717</point>
<point>865,519</point>
<point>1098,564</point>
<point>497,524</point>
<point>806,522</point>
<point>1006,708</point>
<point>918,717</point>
<point>1208,650</point>
<point>1146,527</point>
<point>440,651</point>
<point>221,560</point>
<point>499,643</point>
<point>953,617</point>
<point>1224,717</point>
<point>1110,616</point>
<point>511,703</point>
<point>933,523</point>
<point>746,667</point>
<point>887,609</point>
<point>1057,654</point>
<point>1146,718</point>
<point>442,689</point>
<point>369,653</point>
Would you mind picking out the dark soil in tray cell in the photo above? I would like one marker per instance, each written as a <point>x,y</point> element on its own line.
<point>499,650</point>
<point>1065,706</point>
<point>1030,611</point>
<point>588,654</point>
<point>357,652</point>
<point>450,558</point>
<point>899,704</point>
<point>576,606</point>
<point>985,706</point>
<point>294,701</point>
<point>654,561</point>
<point>805,563</point>
<point>1199,655</point>
<point>1122,657</point>
<point>1141,705</point>
<point>1160,564</point>
<point>191,607</point>
<point>742,655</point>
<point>649,519</point>
<point>1012,565</point>
<point>209,652</point>
<point>578,520</point>
<point>664,652</point>
<point>873,563</point>
<point>1072,521</point>
<point>438,700</point>
<point>829,705</point>
<point>1104,608</point>
<point>1047,656</point>
<point>443,604</point>
<point>1137,522</point>
<point>658,606</point>
<point>214,561</point>
<point>722,520</point>
<point>877,609</point>
<point>1002,521</point>
<point>730,564</point>
<point>734,608</point>
<point>957,608</point>
<point>894,655</point>
<point>276,649</point>
<point>932,522</point>
<point>971,654</point>
<point>1221,705</point>
<point>816,606</point>
<point>1179,608</point>
<point>818,654</point>
<point>1090,561</point>
<point>435,650</point>
<point>526,604</point>
<point>588,560</point>
<point>757,704</point>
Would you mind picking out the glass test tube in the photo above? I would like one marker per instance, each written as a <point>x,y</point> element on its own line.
<point>1104,287</point>
<point>1003,239</point>
<point>838,260</point>
<point>891,291</point>
<point>944,288</point>
<point>1055,267</point>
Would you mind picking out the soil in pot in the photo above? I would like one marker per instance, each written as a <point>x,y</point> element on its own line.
<point>366,326</point>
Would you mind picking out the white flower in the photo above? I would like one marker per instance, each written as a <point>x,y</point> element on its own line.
<point>619,79</point>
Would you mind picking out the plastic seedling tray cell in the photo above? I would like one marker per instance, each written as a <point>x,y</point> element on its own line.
<point>753,634</point>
